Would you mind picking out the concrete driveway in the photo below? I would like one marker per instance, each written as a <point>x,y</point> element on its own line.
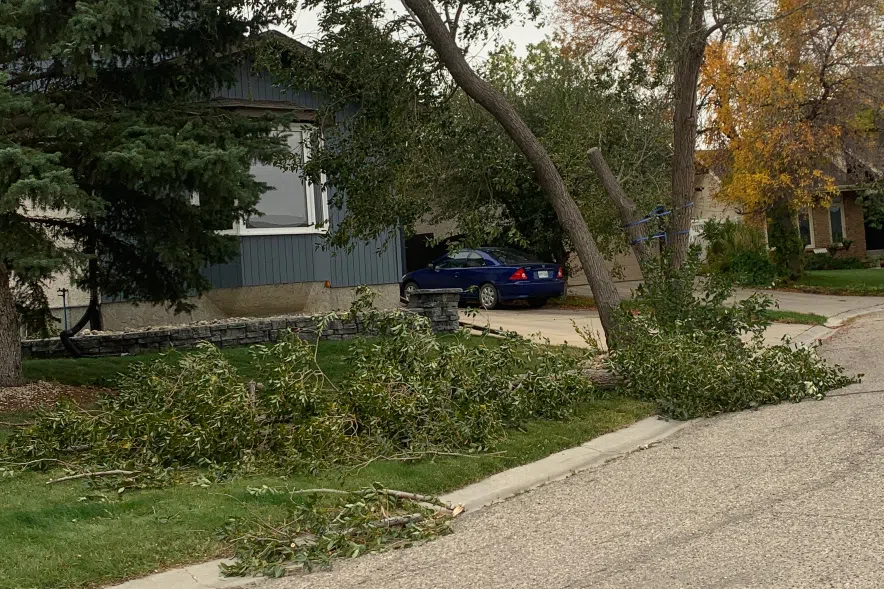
<point>557,325</point>
<point>786,496</point>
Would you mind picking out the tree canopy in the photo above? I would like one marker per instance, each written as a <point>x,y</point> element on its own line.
<point>106,137</point>
<point>791,101</point>
<point>413,147</point>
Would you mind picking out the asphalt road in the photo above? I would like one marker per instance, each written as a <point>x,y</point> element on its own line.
<point>787,496</point>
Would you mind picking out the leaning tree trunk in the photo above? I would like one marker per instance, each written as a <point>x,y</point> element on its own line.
<point>605,293</point>
<point>10,336</point>
<point>636,230</point>
<point>684,122</point>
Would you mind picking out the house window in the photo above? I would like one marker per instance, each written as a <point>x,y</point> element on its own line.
<point>836,219</point>
<point>805,227</point>
<point>292,204</point>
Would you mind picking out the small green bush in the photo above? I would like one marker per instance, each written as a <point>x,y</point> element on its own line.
<point>685,352</point>
<point>830,262</point>
<point>738,251</point>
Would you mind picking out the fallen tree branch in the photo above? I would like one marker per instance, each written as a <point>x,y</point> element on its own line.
<point>425,500</point>
<point>37,461</point>
<point>419,455</point>
<point>99,473</point>
<point>415,497</point>
<point>318,491</point>
<point>603,378</point>
<point>402,520</point>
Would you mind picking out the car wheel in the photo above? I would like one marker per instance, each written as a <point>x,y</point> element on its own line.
<point>537,303</point>
<point>488,296</point>
<point>409,289</point>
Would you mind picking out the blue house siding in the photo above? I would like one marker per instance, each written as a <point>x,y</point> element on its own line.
<point>252,86</point>
<point>282,259</point>
<point>227,275</point>
<point>368,263</point>
<point>289,259</point>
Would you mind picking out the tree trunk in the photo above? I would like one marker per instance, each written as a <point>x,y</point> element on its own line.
<point>636,232</point>
<point>603,290</point>
<point>10,336</point>
<point>783,236</point>
<point>684,123</point>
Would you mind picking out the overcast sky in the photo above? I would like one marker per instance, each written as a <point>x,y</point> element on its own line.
<point>520,35</point>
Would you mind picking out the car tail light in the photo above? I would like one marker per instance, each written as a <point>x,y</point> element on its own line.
<point>560,274</point>
<point>519,275</point>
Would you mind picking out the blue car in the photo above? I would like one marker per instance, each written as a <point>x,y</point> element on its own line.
<point>490,275</point>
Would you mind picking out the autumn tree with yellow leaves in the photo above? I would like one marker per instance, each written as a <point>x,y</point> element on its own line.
<point>789,102</point>
<point>673,35</point>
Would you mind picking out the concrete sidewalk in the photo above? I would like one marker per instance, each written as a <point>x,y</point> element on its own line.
<point>786,496</point>
<point>800,302</point>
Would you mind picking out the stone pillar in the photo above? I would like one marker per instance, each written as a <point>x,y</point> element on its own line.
<point>439,305</point>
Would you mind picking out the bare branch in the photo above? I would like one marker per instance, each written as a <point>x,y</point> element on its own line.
<point>100,473</point>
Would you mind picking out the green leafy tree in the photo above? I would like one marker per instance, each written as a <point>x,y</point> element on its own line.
<point>423,34</point>
<point>564,99</point>
<point>107,134</point>
<point>417,145</point>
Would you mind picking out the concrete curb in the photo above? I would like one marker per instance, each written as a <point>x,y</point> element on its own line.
<point>842,318</point>
<point>495,488</point>
<point>560,465</point>
<point>820,333</point>
<point>205,575</point>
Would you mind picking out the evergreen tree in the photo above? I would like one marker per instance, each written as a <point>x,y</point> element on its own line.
<point>107,135</point>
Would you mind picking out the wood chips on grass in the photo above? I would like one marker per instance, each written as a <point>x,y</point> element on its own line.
<point>34,395</point>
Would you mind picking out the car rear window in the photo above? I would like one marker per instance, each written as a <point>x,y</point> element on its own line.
<point>510,256</point>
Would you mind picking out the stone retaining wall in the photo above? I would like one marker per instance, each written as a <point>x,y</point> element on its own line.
<point>439,306</point>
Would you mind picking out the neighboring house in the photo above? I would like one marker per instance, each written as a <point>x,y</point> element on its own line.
<point>842,222</point>
<point>282,266</point>
<point>818,227</point>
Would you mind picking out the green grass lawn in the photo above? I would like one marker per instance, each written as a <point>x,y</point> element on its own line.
<point>572,302</point>
<point>863,281</point>
<point>53,539</point>
<point>59,536</point>
<point>103,371</point>
<point>795,317</point>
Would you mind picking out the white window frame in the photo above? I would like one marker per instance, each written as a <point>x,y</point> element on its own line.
<point>809,213</point>
<point>843,222</point>
<point>240,228</point>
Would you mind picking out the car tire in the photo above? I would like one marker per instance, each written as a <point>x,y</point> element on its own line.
<point>537,303</point>
<point>488,296</point>
<point>408,288</point>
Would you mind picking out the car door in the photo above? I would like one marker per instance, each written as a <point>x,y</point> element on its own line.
<point>472,275</point>
<point>446,273</point>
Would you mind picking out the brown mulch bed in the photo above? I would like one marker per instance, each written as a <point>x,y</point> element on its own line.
<point>34,395</point>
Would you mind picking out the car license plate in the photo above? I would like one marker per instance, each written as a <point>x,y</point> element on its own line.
<point>543,274</point>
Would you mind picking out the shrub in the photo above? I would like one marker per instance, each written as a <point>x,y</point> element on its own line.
<point>830,262</point>
<point>738,251</point>
<point>408,392</point>
<point>685,352</point>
